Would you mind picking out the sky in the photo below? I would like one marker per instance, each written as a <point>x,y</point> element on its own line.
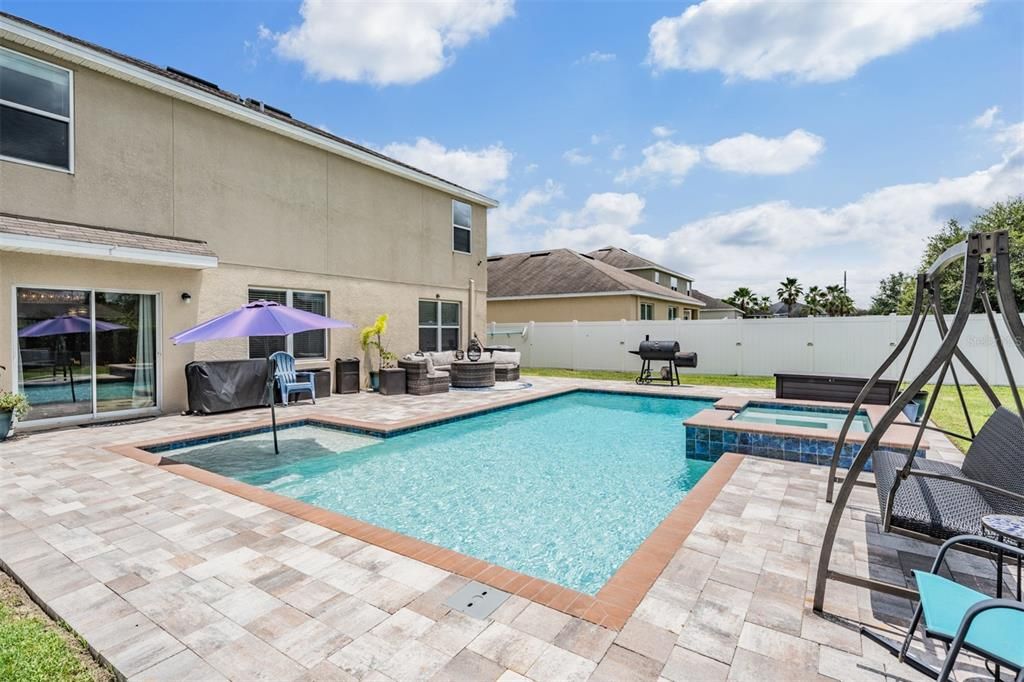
<point>740,142</point>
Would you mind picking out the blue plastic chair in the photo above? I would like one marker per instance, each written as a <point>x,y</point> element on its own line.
<point>288,380</point>
<point>963,618</point>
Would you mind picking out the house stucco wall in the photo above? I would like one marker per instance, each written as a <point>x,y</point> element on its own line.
<point>580,308</point>
<point>277,212</point>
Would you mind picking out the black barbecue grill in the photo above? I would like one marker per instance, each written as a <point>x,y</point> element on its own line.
<point>662,351</point>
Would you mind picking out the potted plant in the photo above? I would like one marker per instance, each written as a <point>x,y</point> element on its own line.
<point>373,337</point>
<point>11,405</point>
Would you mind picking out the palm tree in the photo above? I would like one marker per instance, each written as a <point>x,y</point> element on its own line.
<point>815,300</point>
<point>762,304</point>
<point>838,301</point>
<point>743,298</point>
<point>789,293</point>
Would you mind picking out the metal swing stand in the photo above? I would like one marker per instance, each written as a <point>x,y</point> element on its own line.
<point>973,252</point>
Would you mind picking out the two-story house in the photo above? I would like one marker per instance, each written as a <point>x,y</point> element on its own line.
<point>608,284</point>
<point>137,200</point>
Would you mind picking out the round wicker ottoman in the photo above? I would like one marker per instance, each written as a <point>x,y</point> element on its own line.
<point>469,374</point>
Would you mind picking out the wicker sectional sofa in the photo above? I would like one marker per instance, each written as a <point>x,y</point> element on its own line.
<point>423,377</point>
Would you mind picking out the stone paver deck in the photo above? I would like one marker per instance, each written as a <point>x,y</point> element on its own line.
<point>169,579</point>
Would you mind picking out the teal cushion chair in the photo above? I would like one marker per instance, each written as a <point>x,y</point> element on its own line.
<point>288,380</point>
<point>963,618</point>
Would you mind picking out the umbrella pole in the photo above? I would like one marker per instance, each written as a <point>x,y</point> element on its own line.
<point>270,397</point>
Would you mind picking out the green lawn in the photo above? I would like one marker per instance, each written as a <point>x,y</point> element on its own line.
<point>698,379</point>
<point>948,413</point>
<point>35,649</point>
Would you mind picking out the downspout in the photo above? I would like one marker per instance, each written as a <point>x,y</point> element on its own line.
<point>471,306</point>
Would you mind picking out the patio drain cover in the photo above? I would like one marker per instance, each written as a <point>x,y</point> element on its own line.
<point>477,600</point>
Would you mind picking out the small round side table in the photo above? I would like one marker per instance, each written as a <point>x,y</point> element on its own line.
<point>1008,528</point>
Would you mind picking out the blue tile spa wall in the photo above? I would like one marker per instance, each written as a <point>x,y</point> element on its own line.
<point>709,444</point>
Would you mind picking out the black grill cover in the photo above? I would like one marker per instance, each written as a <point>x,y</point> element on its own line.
<point>658,350</point>
<point>219,386</point>
<point>686,360</point>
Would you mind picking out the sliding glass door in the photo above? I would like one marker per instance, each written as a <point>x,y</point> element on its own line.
<point>84,352</point>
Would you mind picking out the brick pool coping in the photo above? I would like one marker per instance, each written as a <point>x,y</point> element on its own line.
<point>611,607</point>
<point>900,435</point>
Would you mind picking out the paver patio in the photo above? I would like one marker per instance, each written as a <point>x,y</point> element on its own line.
<point>169,579</point>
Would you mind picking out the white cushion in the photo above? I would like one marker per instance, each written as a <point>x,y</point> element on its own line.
<point>506,357</point>
<point>442,358</point>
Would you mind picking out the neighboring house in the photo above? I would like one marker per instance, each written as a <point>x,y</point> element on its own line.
<point>716,308</point>
<point>147,199</point>
<point>562,285</point>
<point>780,309</point>
<point>641,267</point>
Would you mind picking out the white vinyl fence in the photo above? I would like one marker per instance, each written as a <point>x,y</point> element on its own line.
<point>828,345</point>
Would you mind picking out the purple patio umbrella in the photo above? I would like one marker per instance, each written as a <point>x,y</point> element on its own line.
<point>66,324</point>
<point>260,318</point>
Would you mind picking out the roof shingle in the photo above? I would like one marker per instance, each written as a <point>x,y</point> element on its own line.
<point>563,272</point>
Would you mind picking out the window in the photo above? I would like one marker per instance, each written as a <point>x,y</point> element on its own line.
<point>35,111</point>
<point>462,227</point>
<point>673,312</point>
<point>675,283</point>
<point>687,314</point>
<point>646,311</point>
<point>439,325</point>
<point>305,345</point>
<point>657,277</point>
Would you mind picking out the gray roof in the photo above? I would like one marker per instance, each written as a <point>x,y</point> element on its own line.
<point>105,236</point>
<point>711,302</point>
<point>566,272</point>
<point>211,88</point>
<point>624,260</point>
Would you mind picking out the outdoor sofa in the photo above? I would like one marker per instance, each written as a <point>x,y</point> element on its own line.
<point>422,376</point>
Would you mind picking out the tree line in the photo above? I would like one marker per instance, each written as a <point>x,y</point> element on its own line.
<point>833,300</point>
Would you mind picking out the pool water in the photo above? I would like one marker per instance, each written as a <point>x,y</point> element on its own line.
<point>45,394</point>
<point>815,418</point>
<point>563,489</point>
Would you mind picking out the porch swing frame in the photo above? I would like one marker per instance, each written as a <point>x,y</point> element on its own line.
<point>972,252</point>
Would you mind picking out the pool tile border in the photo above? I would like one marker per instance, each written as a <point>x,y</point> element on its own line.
<point>611,607</point>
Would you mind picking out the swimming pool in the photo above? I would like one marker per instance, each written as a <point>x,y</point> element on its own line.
<point>564,488</point>
<point>797,415</point>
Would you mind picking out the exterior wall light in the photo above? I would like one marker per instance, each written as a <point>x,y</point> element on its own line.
<point>186,297</point>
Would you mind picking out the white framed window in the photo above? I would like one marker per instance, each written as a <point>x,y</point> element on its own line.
<point>311,345</point>
<point>674,283</point>
<point>36,112</point>
<point>673,312</point>
<point>462,227</point>
<point>439,325</point>
<point>657,277</point>
<point>646,311</point>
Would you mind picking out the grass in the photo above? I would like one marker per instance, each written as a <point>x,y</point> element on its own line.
<point>33,648</point>
<point>948,413</point>
<point>695,379</point>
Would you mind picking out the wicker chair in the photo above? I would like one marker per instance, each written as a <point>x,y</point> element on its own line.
<point>418,381</point>
<point>506,373</point>
<point>940,500</point>
<point>506,365</point>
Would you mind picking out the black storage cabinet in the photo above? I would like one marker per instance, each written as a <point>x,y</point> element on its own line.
<point>220,386</point>
<point>832,388</point>
<point>346,375</point>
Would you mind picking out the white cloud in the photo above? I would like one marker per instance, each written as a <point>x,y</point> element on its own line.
<point>664,159</point>
<point>986,119</point>
<point>385,42</point>
<point>810,41</point>
<point>618,152</point>
<point>878,233</point>
<point>752,154</point>
<point>662,131</point>
<point>605,218</point>
<point>1011,136</point>
<point>596,138</point>
<point>596,57</point>
<point>508,224</point>
<point>481,170</point>
<point>576,157</point>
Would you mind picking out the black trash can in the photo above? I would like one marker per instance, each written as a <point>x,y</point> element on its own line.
<point>346,375</point>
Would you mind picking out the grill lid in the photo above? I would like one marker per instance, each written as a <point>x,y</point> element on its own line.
<point>658,350</point>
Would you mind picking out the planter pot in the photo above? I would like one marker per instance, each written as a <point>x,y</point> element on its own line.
<point>374,381</point>
<point>6,419</point>
<point>392,381</point>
